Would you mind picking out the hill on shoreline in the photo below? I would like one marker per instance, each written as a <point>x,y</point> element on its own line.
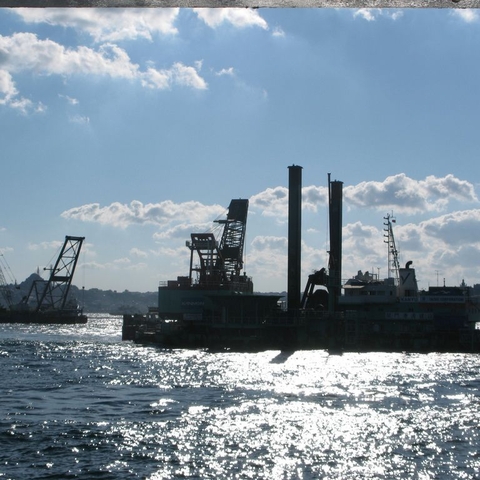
<point>94,300</point>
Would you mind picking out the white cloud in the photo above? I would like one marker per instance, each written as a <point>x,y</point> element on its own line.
<point>273,202</point>
<point>45,245</point>
<point>107,24</point>
<point>468,15</point>
<point>278,32</point>
<point>366,13</point>
<point>7,85</point>
<point>395,15</point>
<point>226,71</point>
<point>137,213</point>
<point>454,229</point>
<point>182,230</point>
<point>187,77</point>
<point>26,52</point>
<point>70,100</point>
<point>262,243</point>
<point>80,119</point>
<point>238,17</point>
<point>408,195</point>
<point>449,244</point>
<point>136,252</point>
<point>9,94</point>
<point>179,74</point>
<point>371,14</point>
<point>122,261</point>
<point>399,192</point>
<point>267,259</point>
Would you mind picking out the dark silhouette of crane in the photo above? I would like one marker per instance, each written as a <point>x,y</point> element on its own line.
<point>53,293</point>
<point>221,262</point>
<point>5,287</point>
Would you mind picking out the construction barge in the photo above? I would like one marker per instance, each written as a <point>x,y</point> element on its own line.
<point>214,307</point>
<point>47,301</point>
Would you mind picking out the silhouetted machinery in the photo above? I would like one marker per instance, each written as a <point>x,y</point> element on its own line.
<point>5,287</point>
<point>220,263</point>
<point>316,299</point>
<point>53,294</point>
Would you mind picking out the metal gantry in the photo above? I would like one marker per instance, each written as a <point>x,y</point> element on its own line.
<point>5,287</point>
<point>233,237</point>
<point>53,294</point>
<point>221,262</point>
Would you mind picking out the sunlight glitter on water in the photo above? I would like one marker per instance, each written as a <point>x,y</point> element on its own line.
<point>90,405</point>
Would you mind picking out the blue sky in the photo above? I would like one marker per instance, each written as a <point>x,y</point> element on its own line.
<point>134,128</point>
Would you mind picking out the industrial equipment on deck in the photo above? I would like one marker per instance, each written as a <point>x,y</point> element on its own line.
<point>220,263</point>
<point>47,300</point>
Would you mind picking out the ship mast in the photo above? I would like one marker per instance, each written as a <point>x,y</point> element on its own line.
<point>393,264</point>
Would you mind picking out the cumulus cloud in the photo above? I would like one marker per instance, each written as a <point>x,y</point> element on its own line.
<point>410,196</point>
<point>272,202</point>
<point>449,244</point>
<point>238,17</point>
<point>313,197</point>
<point>263,243</point>
<point>23,52</point>
<point>9,95</point>
<point>454,229</point>
<point>371,14</point>
<point>366,13</point>
<point>267,258</point>
<point>398,192</point>
<point>137,213</point>
<point>182,230</point>
<point>107,24</point>
<point>136,252</point>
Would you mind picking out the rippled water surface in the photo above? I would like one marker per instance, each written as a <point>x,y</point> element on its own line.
<point>76,402</point>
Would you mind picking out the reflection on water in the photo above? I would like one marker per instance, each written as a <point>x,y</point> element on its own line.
<point>79,403</point>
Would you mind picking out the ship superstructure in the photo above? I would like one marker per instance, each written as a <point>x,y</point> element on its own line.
<point>214,306</point>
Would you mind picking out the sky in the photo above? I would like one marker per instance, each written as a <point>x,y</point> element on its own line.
<point>135,128</point>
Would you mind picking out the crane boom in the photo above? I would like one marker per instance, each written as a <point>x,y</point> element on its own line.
<point>5,287</point>
<point>221,262</point>
<point>53,294</point>
<point>233,237</point>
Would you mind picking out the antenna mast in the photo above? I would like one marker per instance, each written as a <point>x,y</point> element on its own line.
<point>393,265</point>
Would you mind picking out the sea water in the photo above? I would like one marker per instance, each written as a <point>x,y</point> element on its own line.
<point>77,402</point>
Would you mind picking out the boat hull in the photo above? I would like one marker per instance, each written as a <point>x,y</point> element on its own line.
<point>47,318</point>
